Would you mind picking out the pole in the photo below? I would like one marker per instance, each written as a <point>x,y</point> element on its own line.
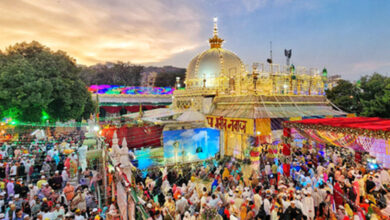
<point>127,205</point>
<point>272,72</point>
<point>270,44</point>
<point>271,50</point>
<point>104,173</point>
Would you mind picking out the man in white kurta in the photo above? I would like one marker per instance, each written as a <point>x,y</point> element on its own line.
<point>258,202</point>
<point>165,187</point>
<point>308,206</point>
<point>267,206</point>
<point>83,157</point>
<point>384,177</point>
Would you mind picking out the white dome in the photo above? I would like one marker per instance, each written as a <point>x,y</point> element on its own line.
<point>213,63</point>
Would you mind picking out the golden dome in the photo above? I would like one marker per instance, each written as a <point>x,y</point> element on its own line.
<point>213,63</point>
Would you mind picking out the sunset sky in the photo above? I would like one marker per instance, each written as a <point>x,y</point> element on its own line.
<point>349,37</point>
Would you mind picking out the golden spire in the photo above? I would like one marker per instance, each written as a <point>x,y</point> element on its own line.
<point>215,41</point>
<point>215,32</point>
<point>140,113</point>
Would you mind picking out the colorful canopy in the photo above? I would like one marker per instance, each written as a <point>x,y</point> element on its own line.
<point>371,127</point>
<point>359,133</point>
<point>356,122</point>
<point>130,90</point>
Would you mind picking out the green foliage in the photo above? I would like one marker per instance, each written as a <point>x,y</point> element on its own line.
<point>375,95</point>
<point>34,79</point>
<point>127,74</point>
<point>119,73</point>
<point>345,96</point>
<point>370,96</point>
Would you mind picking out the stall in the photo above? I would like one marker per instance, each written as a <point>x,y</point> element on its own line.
<point>362,134</point>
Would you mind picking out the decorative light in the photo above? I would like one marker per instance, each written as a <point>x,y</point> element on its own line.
<point>358,83</point>
<point>130,90</point>
<point>96,128</point>
<point>325,72</point>
<point>45,116</point>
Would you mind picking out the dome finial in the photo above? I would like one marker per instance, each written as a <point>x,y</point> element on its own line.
<point>215,41</point>
<point>215,27</point>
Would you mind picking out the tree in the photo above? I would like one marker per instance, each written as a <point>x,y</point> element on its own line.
<point>386,100</point>
<point>118,73</point>
<point>370,97</point>
<point>375,95</point>
<point>35,81</point>
<point>345,96</point>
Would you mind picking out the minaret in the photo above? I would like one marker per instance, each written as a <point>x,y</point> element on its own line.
<point>124,154</point>
<point>215,41</point>
<point>115,147</point>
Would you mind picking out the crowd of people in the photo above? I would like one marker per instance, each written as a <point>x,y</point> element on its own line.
<point>318,184</point>
<point>43,180</point>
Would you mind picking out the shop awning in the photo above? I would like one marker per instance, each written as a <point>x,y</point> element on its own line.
<point>191,115</point>
<point>155,113</point>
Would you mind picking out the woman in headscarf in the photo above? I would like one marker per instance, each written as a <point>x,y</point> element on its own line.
<point>67,164</point>
<point>56,158</point>
<point>214,184</point>
<point>183,188</point>
<point>73,168</point>
<point>225,173</point>
<point>82,205</point>
<point>338,194</point>
<point>75,201</point>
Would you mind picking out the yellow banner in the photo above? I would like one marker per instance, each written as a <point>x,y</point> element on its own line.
<point>295,119</point>
<point>235,125</point>
<point>387,147</point>
<point>263,126</point>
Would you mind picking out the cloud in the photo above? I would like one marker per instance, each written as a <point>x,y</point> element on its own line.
<point>199,136</point>
<point>99,30</point>
<point>169,143</point>
<point>188,133</point>
<point>253,5</point>
<point>370,66</point>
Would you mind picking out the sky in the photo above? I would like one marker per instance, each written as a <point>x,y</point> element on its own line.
<point>348,37</point>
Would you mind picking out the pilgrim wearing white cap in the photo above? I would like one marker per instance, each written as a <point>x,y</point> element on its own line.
<point>308,206</point>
